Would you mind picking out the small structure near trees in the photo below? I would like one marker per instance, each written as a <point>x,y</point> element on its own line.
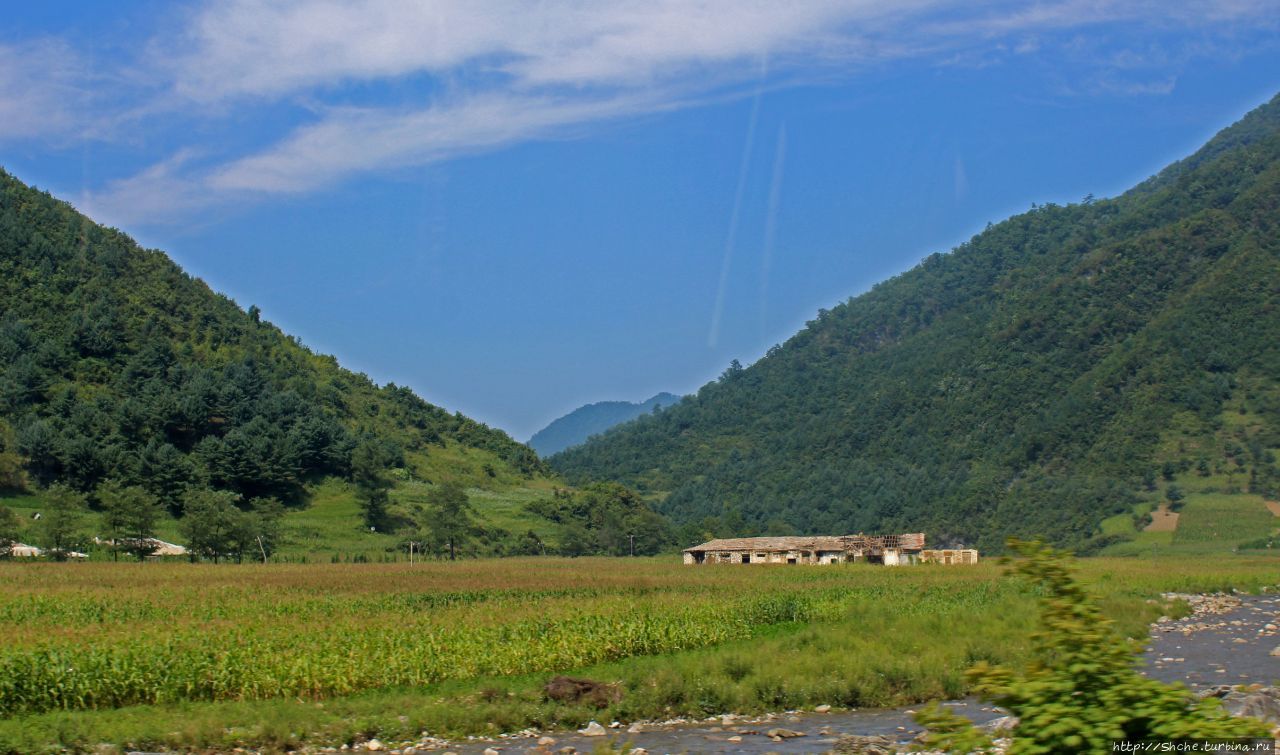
<point>890,550</point>
<point>949,556</point>
<point>22,550</point>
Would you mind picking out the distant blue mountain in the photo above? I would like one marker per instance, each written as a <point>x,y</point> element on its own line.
<point>592,419</point>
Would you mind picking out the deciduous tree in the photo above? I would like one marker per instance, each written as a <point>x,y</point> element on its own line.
<point>61,520</point>
<point>8,531</point>
<point>129,515</point>
<point>211,523</point>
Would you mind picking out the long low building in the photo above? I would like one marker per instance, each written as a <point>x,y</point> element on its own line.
<point>891,550</point>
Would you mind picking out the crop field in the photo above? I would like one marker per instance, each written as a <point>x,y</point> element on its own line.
<point>1213,518</point>
<point>102,652</point>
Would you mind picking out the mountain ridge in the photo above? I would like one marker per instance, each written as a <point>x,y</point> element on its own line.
<point>1016,385</point>
<point>591,419</point>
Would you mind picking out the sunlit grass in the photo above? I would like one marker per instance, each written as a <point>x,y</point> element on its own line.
<point>271,656</point>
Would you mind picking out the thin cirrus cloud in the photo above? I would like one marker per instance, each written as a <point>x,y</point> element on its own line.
<point>43,88</point>
<point>251,48</point>
<point>389,84</point>
<point>351,141</point>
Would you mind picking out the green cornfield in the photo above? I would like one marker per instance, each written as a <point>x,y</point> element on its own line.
<point>102,636</point>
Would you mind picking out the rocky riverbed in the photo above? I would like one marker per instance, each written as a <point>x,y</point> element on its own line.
<point>1227,640</point>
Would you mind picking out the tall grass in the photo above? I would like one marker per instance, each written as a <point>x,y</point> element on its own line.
<point>225,648</point>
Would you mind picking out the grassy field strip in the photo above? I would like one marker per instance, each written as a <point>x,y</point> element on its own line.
<point>88,650</point>
<point>449,648</point>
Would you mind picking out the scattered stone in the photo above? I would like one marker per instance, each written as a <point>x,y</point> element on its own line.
<point>593,729</point>
<point>545,741</point>
<point>1276,651</point>
<point>638,751</point>
<point>822,709</point>
<point>374,745</point>
<point>1003,723</point>
<point>734,738</point>
<point>1217,690</point>
<point>784,733</point>
<point>491,751</point>
<point>1263,704</point>
<point>865,744</point>
<point>635,728</point>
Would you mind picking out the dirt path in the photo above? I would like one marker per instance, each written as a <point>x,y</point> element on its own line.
<point>1274,506</point>
<point>1162,520</point>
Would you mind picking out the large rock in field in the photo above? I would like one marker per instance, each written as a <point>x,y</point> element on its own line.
<point>565,689</point>
<point>1263,704</point>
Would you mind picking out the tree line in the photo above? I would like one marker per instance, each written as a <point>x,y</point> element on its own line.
<point>214,526</point>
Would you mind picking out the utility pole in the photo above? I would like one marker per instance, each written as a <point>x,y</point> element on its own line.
<point>633,545</point>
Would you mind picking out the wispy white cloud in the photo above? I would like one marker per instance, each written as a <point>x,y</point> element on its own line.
<point>43,90</point>
<point>351,141</point>
<point>162,193</point>
<point>257,48</point>
<point>377,85</point>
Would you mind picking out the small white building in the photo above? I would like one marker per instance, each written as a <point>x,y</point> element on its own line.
<point>22,550</point>
<point>167,549</point>
<point>158,547</point>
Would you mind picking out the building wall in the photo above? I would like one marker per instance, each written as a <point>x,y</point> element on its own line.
<point>950,557</point>
<point>890,558</point>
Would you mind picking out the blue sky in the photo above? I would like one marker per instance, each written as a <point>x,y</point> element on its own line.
<point>517,208</point>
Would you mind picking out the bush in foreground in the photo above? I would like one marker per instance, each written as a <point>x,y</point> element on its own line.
<point>1082,690</point>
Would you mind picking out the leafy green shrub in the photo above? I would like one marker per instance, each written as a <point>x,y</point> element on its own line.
<point>1082,691</point>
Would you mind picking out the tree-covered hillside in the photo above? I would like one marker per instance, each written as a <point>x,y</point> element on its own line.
<point>1025,383</point>
<point>114,364</point>
<point>585,421</point>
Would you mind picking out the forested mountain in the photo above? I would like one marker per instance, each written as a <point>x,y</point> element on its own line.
<point>581,423</point>
<point>114,364</point>
<point>1028,382</point>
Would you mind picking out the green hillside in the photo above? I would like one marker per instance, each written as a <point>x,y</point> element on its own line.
<point>117,366</point>
<point>1023,384</point>
<point>115,363</point>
